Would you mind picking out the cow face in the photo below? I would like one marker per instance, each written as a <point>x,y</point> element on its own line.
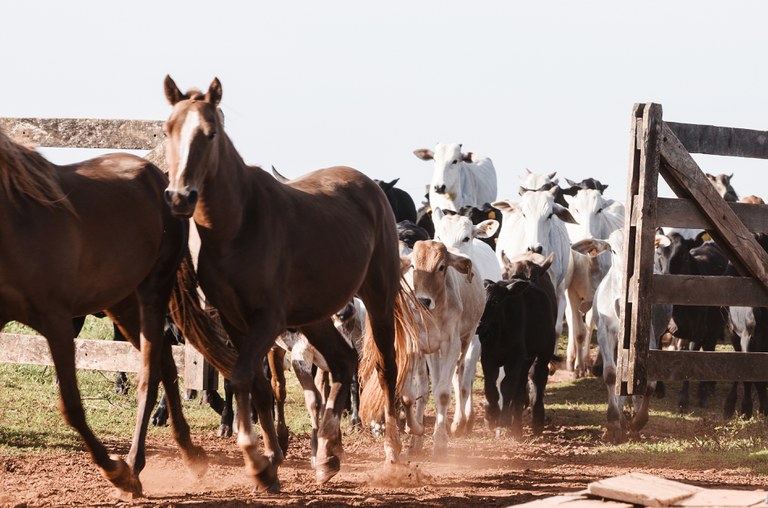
<point>457,231</point>
<point>539,214</point>
<point>723,185</point>
<point>587,207</point>
<point>429,269</point>
<point>446,178</point>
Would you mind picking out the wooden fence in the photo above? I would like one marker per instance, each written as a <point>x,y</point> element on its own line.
<point>110,134</point>
<point>664,148</point>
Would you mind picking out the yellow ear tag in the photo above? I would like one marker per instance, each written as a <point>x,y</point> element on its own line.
<point>492,215</point>
<point>705,237</point>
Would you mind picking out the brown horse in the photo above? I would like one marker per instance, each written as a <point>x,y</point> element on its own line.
<point>85,237</point>
<point>277,255</point>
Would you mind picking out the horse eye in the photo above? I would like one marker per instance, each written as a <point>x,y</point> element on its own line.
<point>212,134</point>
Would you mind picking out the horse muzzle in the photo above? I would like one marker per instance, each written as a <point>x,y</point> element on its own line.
<point>182,203</point>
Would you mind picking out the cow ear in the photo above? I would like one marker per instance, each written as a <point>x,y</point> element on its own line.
<point>591,247</point>
<point>172,92</point>
<point>467,157</point>
<point>461,263</point>
<point>386,186</point>
<point>437,215</point>
<point>503,206</point>
<point>405,264</point>
<point>661,240</point>
<point>602,187</point>
<point>564,214</point>
<point>570,182</point>
<point>214,92</point>
<point>548,262</point>
<point>424,154</point>
<point>552,175</point>
<point>485,229</point>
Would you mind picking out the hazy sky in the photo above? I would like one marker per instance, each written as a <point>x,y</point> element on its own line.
<point>544,85</point>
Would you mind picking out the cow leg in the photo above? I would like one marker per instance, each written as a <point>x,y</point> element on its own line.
<point>302,367</point>
<point>160,416</point>
<point>514,389</point>
<point>275,357</point>
<point>491,387</point>
<point>441,365</point>
<point>746,403</point>
<point>227,411</point>
<point>729,408</point>
<point>761,388</point>
<point>540,376</point>
<point>462,386</point>
<point>341,360</point>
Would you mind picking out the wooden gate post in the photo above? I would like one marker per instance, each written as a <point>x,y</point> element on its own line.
<point>640,210</point>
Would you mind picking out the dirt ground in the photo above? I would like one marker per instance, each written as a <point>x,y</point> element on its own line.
<point>480,471</point>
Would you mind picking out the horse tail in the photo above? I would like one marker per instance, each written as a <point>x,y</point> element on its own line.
<point>373,398</point>
<point>202,329</point>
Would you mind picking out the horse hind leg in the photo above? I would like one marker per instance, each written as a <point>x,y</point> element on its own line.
<point>114,469</point>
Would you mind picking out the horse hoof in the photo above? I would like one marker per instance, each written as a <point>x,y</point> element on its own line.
<point>197,461</point>
<point>327,470</point>
<point>266,479</point>
<point>123,478</point>
<point>282,439</point>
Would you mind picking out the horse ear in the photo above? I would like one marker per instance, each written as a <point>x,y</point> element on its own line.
<point>214,92</point>
<point>172,92</point>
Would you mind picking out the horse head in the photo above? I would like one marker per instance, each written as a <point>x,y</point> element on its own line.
<point>191,151</point>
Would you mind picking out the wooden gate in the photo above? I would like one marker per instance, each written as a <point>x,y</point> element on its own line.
<point>664,148</point>
<point>110,134</point>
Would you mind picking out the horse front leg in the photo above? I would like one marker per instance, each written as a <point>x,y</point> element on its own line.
<point>194,456</point>
<point>59,336</point>
<point>248,381</point>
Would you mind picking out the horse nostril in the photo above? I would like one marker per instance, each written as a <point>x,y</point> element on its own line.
<point>168,196</point>
<point>192,197</point>
<point>426,302</point>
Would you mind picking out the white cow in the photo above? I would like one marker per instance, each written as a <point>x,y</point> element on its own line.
<point>453,298</point>
<point>459,179</point>
<point>533,181</point>
<point>537,224</point>
<point>596,217</point>
<point>458,232</point>
<point>605,307</point>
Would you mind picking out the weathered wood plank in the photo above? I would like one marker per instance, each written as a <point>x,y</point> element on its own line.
<point>85,132</point>
<point>729,232</point>
<point>708,290</point>
<point>572,501</point>
<point>707,366</point>
<point>639,248</point>
<point>89,355</point>
<point>194,370</point>
<point>725,497</point>
<point>683,213</point>
<point>642,489</point>
<point>712,140</point>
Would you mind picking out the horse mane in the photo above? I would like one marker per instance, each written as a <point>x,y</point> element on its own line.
<point>26,173</point>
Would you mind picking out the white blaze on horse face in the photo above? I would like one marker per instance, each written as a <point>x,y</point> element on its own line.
<point>188,130</point>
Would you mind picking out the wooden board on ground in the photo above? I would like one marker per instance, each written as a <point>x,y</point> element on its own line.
<point>642,489</point>
<point>723,497</point>
<point>573,501</point>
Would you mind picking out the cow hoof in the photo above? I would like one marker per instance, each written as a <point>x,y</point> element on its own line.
<point>282,439</point>
<point>327,470</point>
<point>225,431</point>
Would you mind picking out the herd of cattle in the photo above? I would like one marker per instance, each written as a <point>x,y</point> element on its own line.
<point>498,279</point>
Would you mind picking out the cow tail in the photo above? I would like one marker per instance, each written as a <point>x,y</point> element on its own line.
<point>202,329</point>
<point>373,398</point>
